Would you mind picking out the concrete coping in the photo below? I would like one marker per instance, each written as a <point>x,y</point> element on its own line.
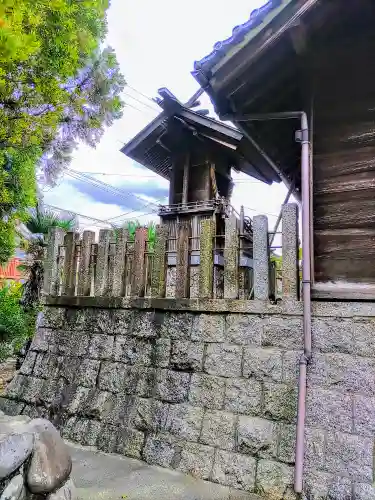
<point>287,307</point>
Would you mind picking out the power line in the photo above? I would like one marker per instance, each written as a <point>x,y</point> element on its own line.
<point>135,107</point>
<point>76,213</point>
<point>261,212</point>
<point>143,103</point>
<point>140,93</point>
<point>106,187</point>
<point>143,176</point>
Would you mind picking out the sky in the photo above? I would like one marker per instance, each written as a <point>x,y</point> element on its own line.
<point>156,44</point>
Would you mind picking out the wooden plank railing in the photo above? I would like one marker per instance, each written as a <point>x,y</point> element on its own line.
<point>223,267</point>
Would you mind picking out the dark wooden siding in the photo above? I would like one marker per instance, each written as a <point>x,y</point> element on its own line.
<point>344,161</point>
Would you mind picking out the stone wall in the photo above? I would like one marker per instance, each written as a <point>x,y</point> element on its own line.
<point>212,394</point>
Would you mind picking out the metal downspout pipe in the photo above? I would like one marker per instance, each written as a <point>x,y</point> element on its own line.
<point>306,274</point>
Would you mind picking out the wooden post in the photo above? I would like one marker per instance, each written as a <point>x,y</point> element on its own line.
<point>206,258</point>
<point>231,252</point>
<point>70,263</point>
<point>261,258</point>
<point>119,263</point>
<point>290,269</point>
<point>102,262</point>
<point>185,180</point>
<point>137,287</point>
<point>182,260</point>
<point>51,266</point>
<point>159,266</point>
<point>84,269</point>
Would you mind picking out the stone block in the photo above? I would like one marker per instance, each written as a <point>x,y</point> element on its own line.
<point>78,400</point>
<point>101,346</point>
<point>244,329</point>
<point>243,396</point>
<point>130,442</point>
<point>170,282</point>
<point>119,410</point>
<point>47,365</point>
<point>76,320</point>
<point>364,415</point>
<point>28,364</point>
<point>30,391</point>
<point>257,437</point>
<point>280,402</point>
<point>320,485</point>
<point>161,353</point>
<point>286,333</point>
<point>100,321</point>
<point>349,455</point>
<point>88,372</point>
<point>287,443</point>
<point>159,450</point>
<point>150,415</point>
<point>219,429</point>
<point>343,372</point>
<point>172,386</point>
<point>363,491</point>
<point>187,356</point>
<point>141,381</point>
<point>107,439</point>
<point>144,324</point>
<point>52,317</point>
<point>41,340</point>
<point>364,337</point>
<point>11,407</point>
<point>314,448</point>
<point>329,409</point>
<point>52,390</point>
<point>207,391</point>
<point>235,470</point>
<point>332,335</point>
<point>185,421</point>
<point>132,351</point>
<point>262,364</point>
<point>82,430</point>
<point>208,328</point>
<point>224,360</point>
<point>274,480</point>
<point>97,404</point>
<point>197,460</point>
<point>176,326</point>
<point>291,366</point>
<point>69,368</point>
<point>69,343</point>
<point>123,321</point>
<point>112,377</point>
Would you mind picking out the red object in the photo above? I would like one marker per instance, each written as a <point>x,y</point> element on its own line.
<point>10,270</point>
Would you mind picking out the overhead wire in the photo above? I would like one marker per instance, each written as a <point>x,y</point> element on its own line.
<point>143,103</point>
<point>106,187</point>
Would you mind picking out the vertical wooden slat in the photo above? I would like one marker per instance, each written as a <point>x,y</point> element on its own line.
<point>290,251</point>
<point>158,278</point>
<point>70,263</point>
<point>84,270</point>
<point>51,265</point>
<point>231,252</point>
<point>182,260</point>
<point>119,263</point>
<point>206,258</point>
<point>261,258</point>
<point>101,270</point>
<point>137,288</point>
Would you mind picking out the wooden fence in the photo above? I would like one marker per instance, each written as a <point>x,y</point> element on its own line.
<point>119,266</point>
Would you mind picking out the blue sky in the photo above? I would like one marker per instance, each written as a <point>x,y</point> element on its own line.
<point>156,44</point>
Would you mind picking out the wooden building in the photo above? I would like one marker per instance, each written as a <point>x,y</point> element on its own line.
<point>196,154</point>
<point>317,57</point>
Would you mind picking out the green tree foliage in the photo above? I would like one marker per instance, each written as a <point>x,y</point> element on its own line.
<point>15,325</point>
<point>58,86</point>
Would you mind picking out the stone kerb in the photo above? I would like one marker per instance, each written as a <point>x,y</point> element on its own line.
<point>212,395</point>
